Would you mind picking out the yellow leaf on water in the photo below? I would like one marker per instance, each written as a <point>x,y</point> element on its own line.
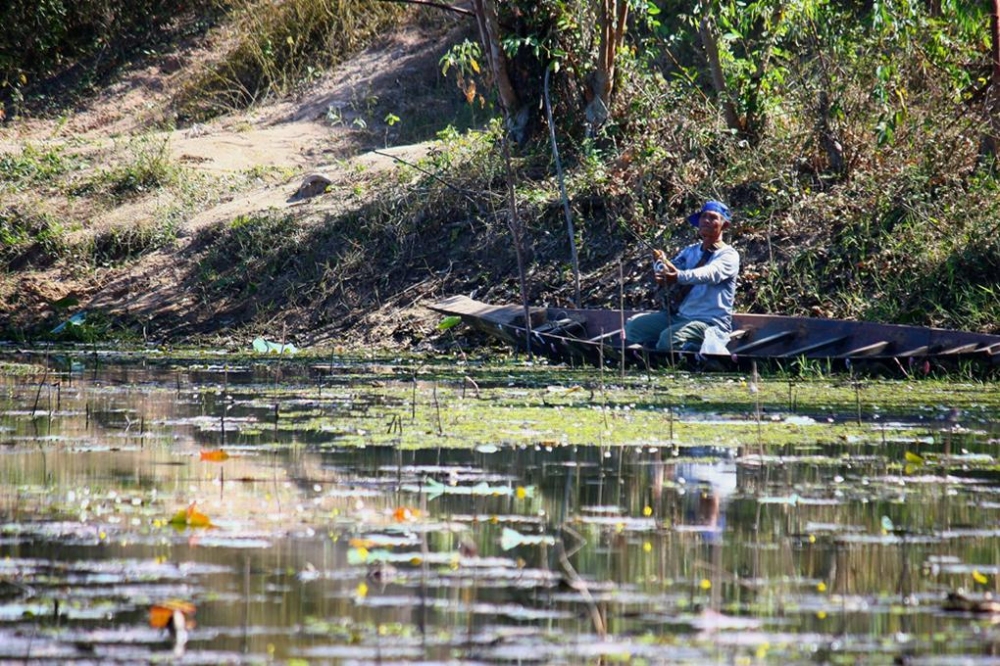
<point>360,543</point>
<point>190,517</point>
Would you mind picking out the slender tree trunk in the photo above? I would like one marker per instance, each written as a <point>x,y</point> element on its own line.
<point>489,34</point>
<point>570,230</point>
<point>710,40</point>
<point>612,21</point>
<point>828,137</point>
<point>517,235</point>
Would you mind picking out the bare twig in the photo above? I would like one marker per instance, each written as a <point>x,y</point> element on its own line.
<point>562,191</point>
<point>517,234</point>
<point>451,186</point>
<point>436,5</point>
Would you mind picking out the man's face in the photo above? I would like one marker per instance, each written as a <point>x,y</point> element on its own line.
<point>711,226</point>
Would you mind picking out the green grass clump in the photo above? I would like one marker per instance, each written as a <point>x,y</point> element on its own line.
<point>121,244</point>
<point>246,252</point>
<point>147,167</point>
<point>33,165</point>
<point>29,239</point>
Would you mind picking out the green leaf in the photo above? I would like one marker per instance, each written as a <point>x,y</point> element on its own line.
<point>449,322</point>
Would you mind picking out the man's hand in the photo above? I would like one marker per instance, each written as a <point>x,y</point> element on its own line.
<point>667,272</point>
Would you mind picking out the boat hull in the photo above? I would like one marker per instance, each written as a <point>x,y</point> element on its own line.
<point>594,336</point>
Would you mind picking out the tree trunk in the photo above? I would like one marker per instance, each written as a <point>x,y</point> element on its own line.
<point>489,34</point>
<point>711,43</point>
<point>828,138</point>
<point>612,21</point>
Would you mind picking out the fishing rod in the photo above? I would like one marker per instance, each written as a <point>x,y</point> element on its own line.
<point>666,295</point>
<point>658,265</point>
<point>642,241</point>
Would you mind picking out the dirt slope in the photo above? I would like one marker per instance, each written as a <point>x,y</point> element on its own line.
<point>271,149</point>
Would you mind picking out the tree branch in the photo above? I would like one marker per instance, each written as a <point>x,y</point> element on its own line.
<point>436,5</point>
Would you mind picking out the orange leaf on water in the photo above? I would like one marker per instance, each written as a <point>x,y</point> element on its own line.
<point>196,518</point>
<point>217,455</point>
<point>405,513</point>
<point>190,517</point>
<point>160,614</point>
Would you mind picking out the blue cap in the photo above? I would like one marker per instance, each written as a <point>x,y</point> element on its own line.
<point>711,207</point>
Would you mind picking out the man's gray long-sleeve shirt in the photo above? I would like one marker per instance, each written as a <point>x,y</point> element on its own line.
<point>713,289</point>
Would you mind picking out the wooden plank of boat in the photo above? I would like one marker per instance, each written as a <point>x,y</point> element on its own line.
<point>604,346</point>
<point>812,347</point>
<point>470,310</point>
<point>606,338</point>
<point>867,350</point>
<point>922,350</point>
<point>754,345</point>
<point>960,349</point>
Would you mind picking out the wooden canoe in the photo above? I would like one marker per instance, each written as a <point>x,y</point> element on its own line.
<point>594,336</point>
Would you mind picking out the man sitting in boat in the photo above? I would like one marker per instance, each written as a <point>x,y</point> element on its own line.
<point>702,281</point>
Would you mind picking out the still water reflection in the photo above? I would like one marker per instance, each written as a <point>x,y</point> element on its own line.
<point>333,539</point>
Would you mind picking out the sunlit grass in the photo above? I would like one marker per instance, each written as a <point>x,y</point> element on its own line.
<point>275,48</point>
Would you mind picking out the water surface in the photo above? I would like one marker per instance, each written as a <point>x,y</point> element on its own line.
<point>439,512</point>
